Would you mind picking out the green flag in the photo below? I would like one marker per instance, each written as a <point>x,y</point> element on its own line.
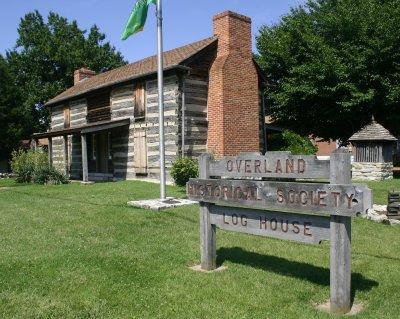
<point>137,19</point>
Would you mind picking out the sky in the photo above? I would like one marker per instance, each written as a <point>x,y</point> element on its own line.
<point>185,21</point>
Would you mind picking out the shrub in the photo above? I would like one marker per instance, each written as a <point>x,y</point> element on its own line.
<point>32,166</point>
<point>25,163</point>
<point>183,169</point>
<point>295,143</point>
<point>49,175</point>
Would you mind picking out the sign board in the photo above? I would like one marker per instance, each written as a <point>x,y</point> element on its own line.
<point>310,229</point>
<point>275,165</point>
<point>326,199</point>
<point>234,195</point>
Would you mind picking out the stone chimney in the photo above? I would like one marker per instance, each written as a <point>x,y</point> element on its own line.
<point>233,94</point>
<point>81,74</point>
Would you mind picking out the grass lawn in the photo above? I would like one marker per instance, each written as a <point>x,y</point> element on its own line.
<point>76,251</point>
<point>380,190</point>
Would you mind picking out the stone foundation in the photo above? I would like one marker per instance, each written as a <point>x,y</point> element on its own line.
<point>372,171</point>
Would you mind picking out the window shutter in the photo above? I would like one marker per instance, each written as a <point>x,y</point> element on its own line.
<point>140,104</point>
<point>67,116</point>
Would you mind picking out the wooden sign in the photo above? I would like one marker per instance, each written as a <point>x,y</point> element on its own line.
<point>275,164</point>
<point>303,228</point>
<point>240,200</point>
<point>327,199</point>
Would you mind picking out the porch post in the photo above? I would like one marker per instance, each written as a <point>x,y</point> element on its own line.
<point>34,144</point>
<point>66,155</point>
<point>85,177</point>
<point>50,151</point>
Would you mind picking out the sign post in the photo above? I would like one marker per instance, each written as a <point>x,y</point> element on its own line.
<point>246,194</point>
<point>340,255</point>
<point>208,245</point>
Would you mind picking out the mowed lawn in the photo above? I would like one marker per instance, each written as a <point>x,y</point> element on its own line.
<point>75,251</point>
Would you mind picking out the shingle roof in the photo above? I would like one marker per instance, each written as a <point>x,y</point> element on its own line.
<point>172,58</point>
<point>372,132</point>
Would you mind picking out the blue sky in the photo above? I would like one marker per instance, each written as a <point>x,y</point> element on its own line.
<point>185,21</point>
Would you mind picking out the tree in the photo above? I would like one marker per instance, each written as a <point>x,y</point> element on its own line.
<point>11,120</point>
<point>331,64</point>
<point>292,142</point>
<point>45,57</point>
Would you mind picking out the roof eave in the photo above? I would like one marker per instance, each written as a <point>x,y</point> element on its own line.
<point>73,96</point>
<point>388,139</point>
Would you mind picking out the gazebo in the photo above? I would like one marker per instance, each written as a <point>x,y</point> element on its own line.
<point>374,148</point>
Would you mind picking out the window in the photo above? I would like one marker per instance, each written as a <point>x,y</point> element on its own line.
<point>98,100</point>
<point>98,107</point>
<point>140,103</point>
<point>67,116</point>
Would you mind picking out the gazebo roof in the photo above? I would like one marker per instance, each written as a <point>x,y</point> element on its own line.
<point>372,132</point>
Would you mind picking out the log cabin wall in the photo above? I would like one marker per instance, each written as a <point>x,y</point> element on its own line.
<point>195,136</point>
<point>122,145</point>
<point>150,125</point>
<point>57,117</point>
<point>122,153</point>
<point>196,94</point>
<point>122,102</point>
<point>78,112</point>
<point>57,123</point>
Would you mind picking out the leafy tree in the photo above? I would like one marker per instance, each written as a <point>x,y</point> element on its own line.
<point>41,66</point>
<point>331,64</point>
<point>45,57</point>
<point>11,120</point>
<point>290,141</point>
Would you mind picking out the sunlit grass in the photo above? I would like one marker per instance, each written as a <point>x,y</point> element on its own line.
<point>75,251</point>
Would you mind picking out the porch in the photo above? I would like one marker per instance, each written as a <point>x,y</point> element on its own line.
<point>86,152</point>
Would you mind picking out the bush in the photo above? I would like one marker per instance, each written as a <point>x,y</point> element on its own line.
<point>32,166</point>
<point>25,163</point>
<point>295,143</point>
<point>183,169</point>
<point>49,175</point>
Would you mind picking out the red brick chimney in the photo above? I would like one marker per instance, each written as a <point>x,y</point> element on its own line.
<point>233,95</point>
<point>81,74</point>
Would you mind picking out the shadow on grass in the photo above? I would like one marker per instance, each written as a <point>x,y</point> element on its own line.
<point>282,266</point>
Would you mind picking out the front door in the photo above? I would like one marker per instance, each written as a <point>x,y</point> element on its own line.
<point>98,153</point>
<point>102,152</point>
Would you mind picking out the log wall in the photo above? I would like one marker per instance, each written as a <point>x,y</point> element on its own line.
<point>196,91</point>
<point>151,127</point>
<point>78,111</point>
<point>122,102</point>
<point>122,106</point>
<point>57,123</point>
<point>57,117</point>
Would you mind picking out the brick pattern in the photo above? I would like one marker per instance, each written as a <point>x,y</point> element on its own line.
<point>233,97</point>
<point>81,74</point>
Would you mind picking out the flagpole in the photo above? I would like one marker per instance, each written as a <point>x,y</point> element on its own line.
<point>160,98</point>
